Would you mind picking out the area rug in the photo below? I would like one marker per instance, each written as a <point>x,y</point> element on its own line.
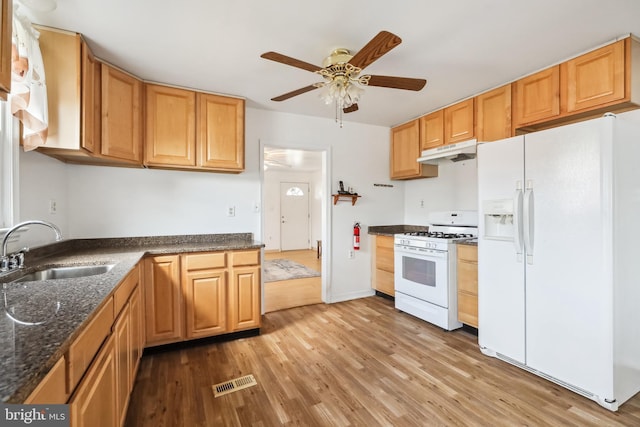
<point>276,270</point>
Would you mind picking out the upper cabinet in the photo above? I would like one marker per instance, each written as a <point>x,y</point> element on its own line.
<point>192,130</point>
<point>5,47</point>
<point>432,130</point>
<point>596,78</point>
<point>94,110</point>
<point>493,114</point>
<point>459,122</point>
<point>405,150</point>
<point>537,97</point>
<point>121,115</point>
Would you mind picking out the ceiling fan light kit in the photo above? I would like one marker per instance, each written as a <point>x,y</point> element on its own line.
<point>343,85</point>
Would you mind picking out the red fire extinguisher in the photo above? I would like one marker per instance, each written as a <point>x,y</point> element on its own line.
<point>356,236</point>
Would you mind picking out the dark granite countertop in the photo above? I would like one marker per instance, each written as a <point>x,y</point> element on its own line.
<point>390,230</point>
<point>472,242</point>
<point>42,318</point>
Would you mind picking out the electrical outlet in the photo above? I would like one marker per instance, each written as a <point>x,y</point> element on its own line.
<point>351,254</point>
<point>53,206</point>
<point>422,203</point>
<point>231,211</point>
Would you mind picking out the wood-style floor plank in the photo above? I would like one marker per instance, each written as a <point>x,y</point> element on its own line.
<point>356,363</point>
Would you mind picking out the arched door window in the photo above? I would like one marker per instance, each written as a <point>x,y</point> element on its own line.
<point>295,191</point>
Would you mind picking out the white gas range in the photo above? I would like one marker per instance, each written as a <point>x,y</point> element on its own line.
<point>425,267</point>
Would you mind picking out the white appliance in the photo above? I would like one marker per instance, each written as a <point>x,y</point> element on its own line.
<point>558,288</point>
<point>451,152</point>
<point>425,267</point>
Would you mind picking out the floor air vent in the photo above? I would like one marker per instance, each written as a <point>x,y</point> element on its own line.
<point>233,385</point>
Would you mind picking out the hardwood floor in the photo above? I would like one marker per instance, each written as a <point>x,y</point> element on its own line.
<point>356,363</point>
<point>297,292</point>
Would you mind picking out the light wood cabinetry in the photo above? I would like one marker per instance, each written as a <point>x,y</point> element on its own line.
<point>537,97</point>
<point>459,122</point>
<point>205,293</point>
<point>493,114</point>
<point>220,125</point>
<point>5,47</point>
<point>122,349</point>
<point>121,115</point>
<point>405,150</point>
<point>213,293</point>
<point>94,402</point>
<point>53,388</point>
<point>432,130</point>
<point>163,299</point>
<point>382,264</point>
<point>467,264</point>
<point>170,120</point>
<point>192,130</point>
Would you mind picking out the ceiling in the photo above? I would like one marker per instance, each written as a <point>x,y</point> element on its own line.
<point>461,47</point>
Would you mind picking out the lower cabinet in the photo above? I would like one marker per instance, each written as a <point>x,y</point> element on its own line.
<point>467,264</point>
<point>198,295</point>
<point>94,402</point>
<point>382,269</point>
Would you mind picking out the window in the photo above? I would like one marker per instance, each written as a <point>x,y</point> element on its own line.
<point>9,144</point>
<point>295,191</point>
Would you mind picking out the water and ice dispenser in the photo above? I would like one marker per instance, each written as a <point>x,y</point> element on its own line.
<point>498,219</point>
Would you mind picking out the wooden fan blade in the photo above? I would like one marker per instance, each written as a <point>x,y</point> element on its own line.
<point>283,59</point>
<point>382,43</point>
<point>406,83</point>
<point>350,109</point>
<point>294,93</point>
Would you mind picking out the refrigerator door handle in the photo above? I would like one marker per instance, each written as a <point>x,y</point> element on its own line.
<point>528,223</point>
<point>517,222</point>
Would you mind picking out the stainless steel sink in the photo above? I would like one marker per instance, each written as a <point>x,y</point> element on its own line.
<point>69,272</point>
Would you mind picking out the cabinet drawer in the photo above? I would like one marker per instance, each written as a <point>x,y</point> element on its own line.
<point>468,309</point>
<point>245,258</point>
<point>468,253</point>
<point>85,347</point>
<point>125,288</point>
<point>52,389</point>
<point>205,260</point>
<point>384,282</point>
<point>468,277</point>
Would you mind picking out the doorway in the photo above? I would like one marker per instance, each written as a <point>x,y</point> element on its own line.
<point>294,223</point>
<point>294,216</point>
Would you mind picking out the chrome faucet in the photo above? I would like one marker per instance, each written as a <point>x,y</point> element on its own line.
<point>16,260</point>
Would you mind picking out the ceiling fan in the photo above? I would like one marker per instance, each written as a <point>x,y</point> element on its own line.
<point>343,83</point>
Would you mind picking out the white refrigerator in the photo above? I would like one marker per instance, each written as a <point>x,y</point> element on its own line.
<point>559,255</point>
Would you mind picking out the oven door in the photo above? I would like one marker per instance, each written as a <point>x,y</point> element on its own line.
<point>422,273</point>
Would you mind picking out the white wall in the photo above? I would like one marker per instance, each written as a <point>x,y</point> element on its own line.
<point>455,188</point>
<point>271,208</point>
<point>98,201</point>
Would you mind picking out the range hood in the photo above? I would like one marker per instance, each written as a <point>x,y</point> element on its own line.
<point>452,152</point>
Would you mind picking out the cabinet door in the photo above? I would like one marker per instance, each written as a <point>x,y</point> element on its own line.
<point>121,115</point>
<point>405,149</point>
<point>123,348</point>
<point>5,47</point>
<point>163,301</point>
<point>493,114</point>
<point>220,124</point>
<point>459,122</point>
<point>432,130</point>
<point>537,97</point>
<point>205,302</point>
<point>137,332</point>
<point>170,138</point>
<point>244,298</point>
<point>596,78</point>
<point>90,108</point>
<point>94,402</point>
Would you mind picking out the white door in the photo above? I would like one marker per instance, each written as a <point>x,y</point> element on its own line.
<point>501,274</point>
<point>568,293</point>
<point>294,216</point>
